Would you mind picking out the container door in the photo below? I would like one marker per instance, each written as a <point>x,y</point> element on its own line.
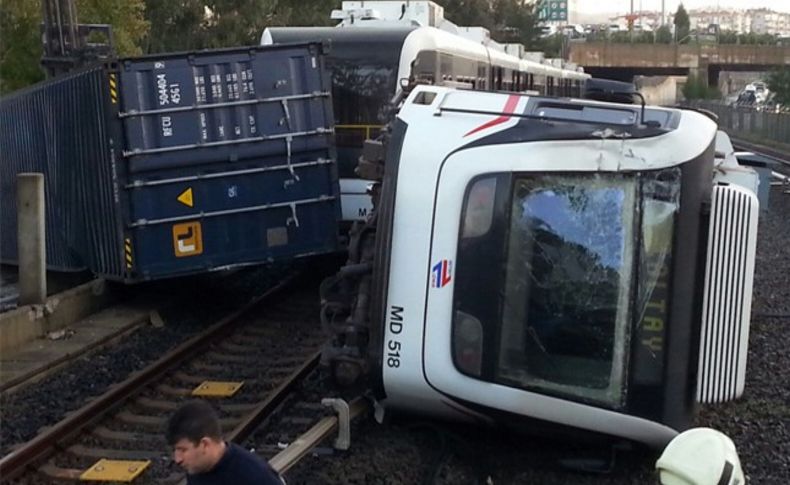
<point>230,159</point>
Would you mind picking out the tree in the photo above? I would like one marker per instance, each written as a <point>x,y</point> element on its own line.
<point>698,88</point>
<point>175,26</point>
<point>779,83</point>
<point>728,37</point>
<point>20,46</point>
<point>470,12</point>
<point>127,17</point>
<point>553,45</point>
<point>303,13</point>
<point>236,22</point>
<point>663,35</point>
<point>516,22</point>
<point>20,24</point>
<point>682,24</point>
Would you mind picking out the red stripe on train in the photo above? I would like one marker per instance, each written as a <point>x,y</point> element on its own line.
<point>510,107</point>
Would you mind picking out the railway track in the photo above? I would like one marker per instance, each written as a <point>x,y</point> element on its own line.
<point>265,348</point>
<point>780,158</point>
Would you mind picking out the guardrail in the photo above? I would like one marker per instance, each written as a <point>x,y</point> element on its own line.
<point>750,123</point>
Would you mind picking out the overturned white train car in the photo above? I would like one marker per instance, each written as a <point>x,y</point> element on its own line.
<point>548,261</point>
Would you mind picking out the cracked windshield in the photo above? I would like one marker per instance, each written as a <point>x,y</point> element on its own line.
<point>568,276</point>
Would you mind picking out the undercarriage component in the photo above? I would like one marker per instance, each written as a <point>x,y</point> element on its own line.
<point>343,441</point>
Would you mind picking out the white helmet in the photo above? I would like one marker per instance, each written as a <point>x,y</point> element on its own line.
<point>700,456</point>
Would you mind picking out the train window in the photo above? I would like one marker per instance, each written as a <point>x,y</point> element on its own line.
<point>564,285</point>
<point>539,84</point>
<point>363,81</point>
<point>587,113</point>
<point>424,97</point>
<point>568,280</point>
<point>660,205</point>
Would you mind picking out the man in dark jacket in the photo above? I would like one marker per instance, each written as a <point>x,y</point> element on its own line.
<point>198,447</point>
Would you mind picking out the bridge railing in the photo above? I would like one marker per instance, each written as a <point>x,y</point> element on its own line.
<point>749,123</point>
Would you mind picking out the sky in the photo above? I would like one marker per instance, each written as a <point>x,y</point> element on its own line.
<point>594,6</point>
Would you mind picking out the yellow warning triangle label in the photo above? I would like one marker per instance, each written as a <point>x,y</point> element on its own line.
<point>186,197</point>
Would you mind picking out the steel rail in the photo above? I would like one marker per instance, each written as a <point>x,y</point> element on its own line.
<point>275,397</point>
<point>300,447</point>
<point>768,152</point>
<point>44,444</point>
<point>266,407</point>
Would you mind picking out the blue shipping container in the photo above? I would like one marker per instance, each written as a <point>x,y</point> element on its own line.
<point>168,165</point>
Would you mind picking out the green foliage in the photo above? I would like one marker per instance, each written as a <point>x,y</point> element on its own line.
<point>175,25</point>
<point>515,22</point>
<point>552,45</point>
<point>698,88</point>
<point>779,83</point>
<point>235,22</point>
<point>150,26</point>
<point>620,37</point>
<point>201,24</point>
<point>663,35</point>
<point>507,20</point>
<point>20,24</point>
<point>127,18</point>
<point>682,24</point>
<point>728,37</point>
<point>306,12</point>
<point>757,39</point>
<point>20,44</point>
<point>470,12</point>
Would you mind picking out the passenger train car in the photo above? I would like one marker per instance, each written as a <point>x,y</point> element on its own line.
<point>550,262</point>
<point>368,61</point>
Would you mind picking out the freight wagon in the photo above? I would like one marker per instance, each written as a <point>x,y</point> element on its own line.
<point>173,164</point>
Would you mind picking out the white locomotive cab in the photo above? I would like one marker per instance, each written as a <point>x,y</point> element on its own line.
<point>538,278</point>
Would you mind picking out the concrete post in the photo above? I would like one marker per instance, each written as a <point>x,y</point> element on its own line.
<point>31,245</point>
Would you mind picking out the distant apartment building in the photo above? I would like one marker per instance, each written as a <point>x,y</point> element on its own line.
<point>758,21</point>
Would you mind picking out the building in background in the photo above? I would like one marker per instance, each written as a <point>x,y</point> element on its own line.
<point>757,21</point>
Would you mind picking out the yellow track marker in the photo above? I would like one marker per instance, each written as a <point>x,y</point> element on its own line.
<point>114,470</point>
<point>217,389</point>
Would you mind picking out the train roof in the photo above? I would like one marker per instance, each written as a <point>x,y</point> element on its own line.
<point>597,135</point>
<point>390,34</point>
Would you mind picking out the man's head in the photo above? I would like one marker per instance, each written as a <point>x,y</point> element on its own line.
<point>195,435</point>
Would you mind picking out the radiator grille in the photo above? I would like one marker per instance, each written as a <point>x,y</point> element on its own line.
<point>729,274</point>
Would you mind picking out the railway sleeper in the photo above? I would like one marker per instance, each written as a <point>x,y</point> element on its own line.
<point>112,454</point>
<point>170,406</point>
<point>191,379</point>
<point>219,356</point>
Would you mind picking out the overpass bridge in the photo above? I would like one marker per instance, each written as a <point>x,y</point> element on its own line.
<point>623,61</point>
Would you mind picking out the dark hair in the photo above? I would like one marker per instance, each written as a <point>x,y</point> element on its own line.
<point>194,420</point>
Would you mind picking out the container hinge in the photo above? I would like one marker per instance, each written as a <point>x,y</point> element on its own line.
<point>293,219</point>
<point>287,112</point>
<point>288,140</point>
